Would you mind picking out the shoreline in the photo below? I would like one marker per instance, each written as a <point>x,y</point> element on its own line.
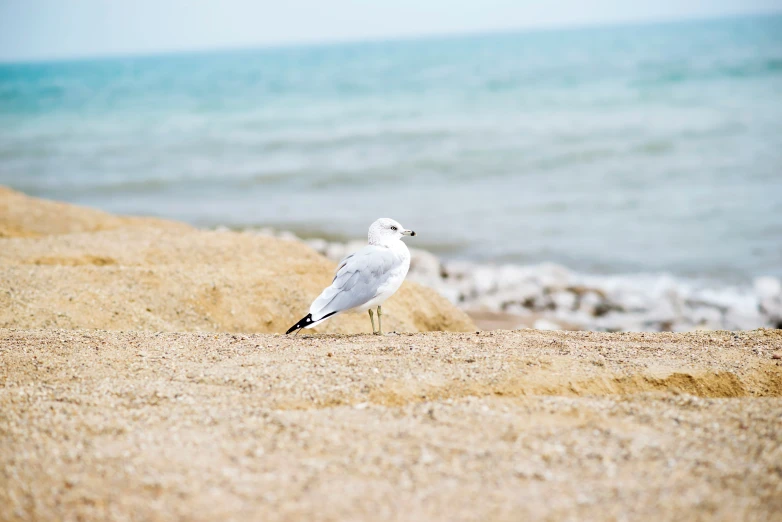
<point>549,296</point>
<point>274,275</point>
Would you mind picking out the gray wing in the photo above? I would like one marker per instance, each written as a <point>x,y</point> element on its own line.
<point>358,278</point>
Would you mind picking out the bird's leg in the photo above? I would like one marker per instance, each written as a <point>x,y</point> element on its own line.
<point>379,322</point>
<point>372,318</point>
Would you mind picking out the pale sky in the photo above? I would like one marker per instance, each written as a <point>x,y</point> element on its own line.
<point>46,29</point>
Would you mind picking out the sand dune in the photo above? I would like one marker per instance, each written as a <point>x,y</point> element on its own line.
<point>70,267</point>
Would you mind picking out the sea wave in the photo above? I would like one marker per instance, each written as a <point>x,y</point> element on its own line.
<point>687,73</point>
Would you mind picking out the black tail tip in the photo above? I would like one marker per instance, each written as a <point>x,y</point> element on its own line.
<point>307,320</point>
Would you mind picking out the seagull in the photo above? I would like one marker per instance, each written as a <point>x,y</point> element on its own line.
<point>365,279</point>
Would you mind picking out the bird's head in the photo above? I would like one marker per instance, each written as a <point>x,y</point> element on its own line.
<point>385,230</point>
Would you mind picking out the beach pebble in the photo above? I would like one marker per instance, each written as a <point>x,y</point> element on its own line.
<point>425,264</point>
<point>335,251</point>
<point>319,245</point>
<point>516,276</point>
<point>484,279</point>
<point>564,300</point>
<point>545,324</point>
<point>769,292</point>
<point>707,316</point>
<point>589,301</point>
<point>553,276</point>
<point>767,287</point>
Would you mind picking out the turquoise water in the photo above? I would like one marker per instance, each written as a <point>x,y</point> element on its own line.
<point>610,150</point>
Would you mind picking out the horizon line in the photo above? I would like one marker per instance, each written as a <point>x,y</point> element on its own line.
<point>399,38</point>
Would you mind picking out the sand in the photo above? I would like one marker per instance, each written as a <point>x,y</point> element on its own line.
<point>103,425</point>
<point>74,267</point>
<point>136,383</point>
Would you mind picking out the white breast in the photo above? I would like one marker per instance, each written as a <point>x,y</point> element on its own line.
<point>395,277</point>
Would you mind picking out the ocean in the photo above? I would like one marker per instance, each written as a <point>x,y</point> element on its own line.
<point>642,149</point>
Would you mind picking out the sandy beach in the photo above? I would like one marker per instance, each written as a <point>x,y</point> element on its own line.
<point>143,377</point>
<point>103,425</point>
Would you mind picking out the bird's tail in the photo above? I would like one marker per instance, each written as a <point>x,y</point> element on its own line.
<point>306,321</point>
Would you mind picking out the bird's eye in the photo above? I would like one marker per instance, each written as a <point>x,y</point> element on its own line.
<point>393,228</point>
